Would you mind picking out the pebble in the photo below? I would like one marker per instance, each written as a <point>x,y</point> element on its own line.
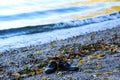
<point>1,54</point>
<point>60,73</point>
<point>24,75</point>
<point>1,76</point>
<point>19,59</point>
<point>69,77</point>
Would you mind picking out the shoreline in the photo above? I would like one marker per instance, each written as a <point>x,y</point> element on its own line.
<point>38,38</point>
<point>13,61</point>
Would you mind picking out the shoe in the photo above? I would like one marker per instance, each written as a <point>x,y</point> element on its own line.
<point>51,68</point>
<point>63,65</point>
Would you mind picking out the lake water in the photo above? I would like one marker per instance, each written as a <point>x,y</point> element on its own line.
<point>29,22</point>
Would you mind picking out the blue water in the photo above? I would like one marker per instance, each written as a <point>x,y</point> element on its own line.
<point>37,12</point>
<point>27,23</point>
<point>55,26</point>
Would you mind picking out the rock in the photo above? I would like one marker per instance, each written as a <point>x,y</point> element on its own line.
<point>44,78</point>
<point>99,66</point>
<point>109,73</point>
<point>48,79</point>
<point>1,76</point>
<point>69,77</point>
<point>100,56</point>
<point>104,79</point>
<point>40,52</point>
<point>17,75</point>
<point>91,57</point>
<point>83,61</point>
<point>1,54</point>
<point>60,73</point>
<point>94,75</point>
<point>24,75</point>
<point>39,71</point>
<point>32,73</point>
<point>36,66</point>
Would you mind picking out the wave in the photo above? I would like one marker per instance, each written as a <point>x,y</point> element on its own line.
<point>57,26</point>
<point>46,37</point>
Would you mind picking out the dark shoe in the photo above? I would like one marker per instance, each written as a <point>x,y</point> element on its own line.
<point>66,66</point>
<point>51,68</point>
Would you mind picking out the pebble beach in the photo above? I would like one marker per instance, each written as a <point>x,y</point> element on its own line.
<point>97,54</point>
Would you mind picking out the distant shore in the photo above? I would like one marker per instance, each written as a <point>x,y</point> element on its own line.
<point>12,62</point>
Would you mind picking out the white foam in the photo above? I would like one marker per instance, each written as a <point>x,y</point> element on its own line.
<point>40,38</point>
